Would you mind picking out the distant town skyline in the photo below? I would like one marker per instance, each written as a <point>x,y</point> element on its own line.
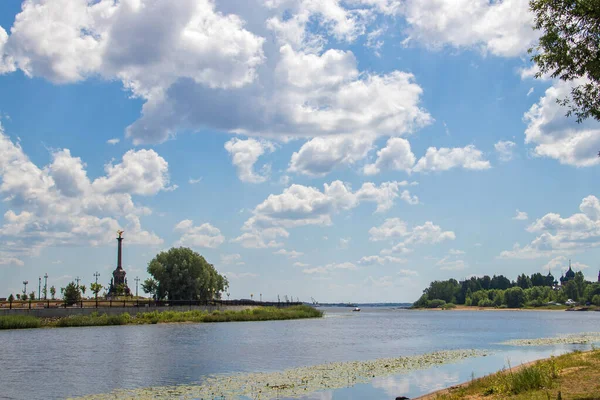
<point>348,151</point>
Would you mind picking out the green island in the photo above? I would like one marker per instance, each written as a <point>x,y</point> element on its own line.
<point>97,319</point>
<point>574,375</point>
<point>537,291</point>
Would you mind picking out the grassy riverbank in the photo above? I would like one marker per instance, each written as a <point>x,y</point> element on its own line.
<point>95,319</point>
<point>571,376</point>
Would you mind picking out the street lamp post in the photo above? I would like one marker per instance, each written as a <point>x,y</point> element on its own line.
<point>137,280</point>
<point>25,287</point>
<point>46,286</point>
<point>261,297</point>
<point>77,280</point>
<point>40,289</point>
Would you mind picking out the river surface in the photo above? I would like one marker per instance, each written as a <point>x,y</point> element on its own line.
<point>68,362</point>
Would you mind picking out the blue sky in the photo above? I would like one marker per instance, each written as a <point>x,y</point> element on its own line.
<point>342,150</point>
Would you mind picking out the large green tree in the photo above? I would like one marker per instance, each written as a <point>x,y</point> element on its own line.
<point>71,294</point>
<point>183,274</point>
<point>569,49</point>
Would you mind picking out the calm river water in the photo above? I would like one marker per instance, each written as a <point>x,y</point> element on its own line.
<point>59,363</point>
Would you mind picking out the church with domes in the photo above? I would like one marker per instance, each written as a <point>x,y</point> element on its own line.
<point>570,274</point>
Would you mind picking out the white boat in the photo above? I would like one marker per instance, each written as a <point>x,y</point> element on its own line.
<point>356,309</point>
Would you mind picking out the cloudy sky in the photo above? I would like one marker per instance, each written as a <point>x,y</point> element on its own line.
<point>346,150</point>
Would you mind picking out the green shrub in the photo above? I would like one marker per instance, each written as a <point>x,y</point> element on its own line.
<point>596,300</point>
<point>449,306</point>
<point>485,303</point>
<point>435,303</point>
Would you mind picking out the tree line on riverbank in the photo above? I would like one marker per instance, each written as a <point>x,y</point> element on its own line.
<point>498,291</point>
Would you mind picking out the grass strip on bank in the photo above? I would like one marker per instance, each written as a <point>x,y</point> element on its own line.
<point>570,376</point>
<point>96,319</point>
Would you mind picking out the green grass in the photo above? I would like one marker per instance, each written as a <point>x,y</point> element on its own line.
<point>19,322</point>
<point>95,319</point>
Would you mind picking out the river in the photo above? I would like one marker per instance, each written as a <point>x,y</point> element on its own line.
<point>59,363</point>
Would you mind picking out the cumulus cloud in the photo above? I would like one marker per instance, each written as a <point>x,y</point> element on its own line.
<point>505,149</point>
<point>244,154</point>
<point>380,260</point>
<point>205,235</point>
<point>232,259</point>
<point>558,137</point>
<point>240,275</point>
<point>257,238</point>
<point>558,235</point>
<point>300,205</point>
<point>113,141</point>
<point>319,156</point>
<point>449,264</point>
<point>395,156</point>
<point>503,28</point>
<point>444,159</point>
<point>428,233</point>
<point>521,216</point>
<point>330,268</point>
<point>59,205</point>
<point>288,253</point>
<point>408,273</point>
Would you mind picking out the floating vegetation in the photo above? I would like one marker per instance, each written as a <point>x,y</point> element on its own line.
<point>580,338</point>
<point>294,382</point>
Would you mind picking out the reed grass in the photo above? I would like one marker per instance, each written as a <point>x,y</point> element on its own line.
<point>19,322</point>
<point>155,317</point>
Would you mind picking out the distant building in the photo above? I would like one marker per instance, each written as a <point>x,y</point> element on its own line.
<point>568,275</point>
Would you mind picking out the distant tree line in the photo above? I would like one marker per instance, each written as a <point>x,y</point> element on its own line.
<point>499,291</point>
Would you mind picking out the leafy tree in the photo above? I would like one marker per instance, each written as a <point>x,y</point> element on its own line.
<point>570,290</point>
<point>514,297</point>
<point>500,282</point>
<point>183,274</point>
<point>591,291</point>
<point>523,281</point>
<point>443,290</point>
<point>32,296</point>
<point>538,279</point>
<point>11,298</point>
<point>83,289</point>
<point>96,288</point>
<point>52,292</point>
<point>596,300</point>
<point>569,48</point>
<point>18,296</point>
<point>71,294</point>
<point>24,297</point>
<point>485,282</point>
<point>150,286</point>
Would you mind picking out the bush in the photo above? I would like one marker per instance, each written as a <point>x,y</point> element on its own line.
<point>535,303</point>
<point>596,300</point>
<point>485,303</point>
<point>468,301</point>
<point>449,306</point>
<point>435,303</point>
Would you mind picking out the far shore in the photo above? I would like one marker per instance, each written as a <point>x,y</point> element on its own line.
<point>476,308</point>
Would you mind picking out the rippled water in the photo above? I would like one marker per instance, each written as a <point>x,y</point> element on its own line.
<point>58,363</point>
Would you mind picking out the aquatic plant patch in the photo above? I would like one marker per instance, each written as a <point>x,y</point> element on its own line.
<point>293,382</point>
<point>580,338</point>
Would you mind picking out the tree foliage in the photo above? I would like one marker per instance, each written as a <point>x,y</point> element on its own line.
<point>71,294</point>
<point>52,292</point>
<point>569,49</point>
<point>182,274</point>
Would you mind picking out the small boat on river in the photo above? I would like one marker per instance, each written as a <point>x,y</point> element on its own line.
<point>356,309</point>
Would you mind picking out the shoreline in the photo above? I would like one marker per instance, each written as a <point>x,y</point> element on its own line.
<point>555,368</point>
<point>477,308</point>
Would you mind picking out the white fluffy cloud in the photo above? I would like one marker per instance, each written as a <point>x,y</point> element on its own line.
<point>557,235</point>
<point>300,205</point>
<point>380,260</point>
<point>428,233</point>
<point>503,28</point>
<point>244,154</point>
<point>408,273</point>
<point>559,137</point>
<point>505,149</point>
<point>59,205</point>
<point>521,216</point>
<point>257,238</point>
<point>448,263</point>
<point>205,235</point>
<point>330,268</point>
<point>288,253</point>
<point>444,159</point>
<point>232,259</point>
<point>395,156</point>
<point>319,156</point>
